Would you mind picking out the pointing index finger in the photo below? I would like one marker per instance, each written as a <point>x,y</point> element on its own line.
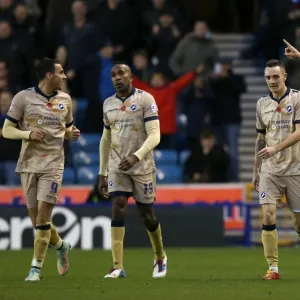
<point>287,43</point>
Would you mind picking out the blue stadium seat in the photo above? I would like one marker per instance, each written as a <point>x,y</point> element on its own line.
<point>165,157</point>
<point>87,142</point>
<point>87,175</point>
<point>81,106</point>
<point>69,176</point>
<point>82,158</point>
<point>169,174</point>
<point>183,157</point>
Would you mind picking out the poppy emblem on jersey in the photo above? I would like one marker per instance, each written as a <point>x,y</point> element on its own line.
<point>153,108</point>
<point>263,195</point>
<point>110,183</point>
<point>278,109</point>
<point>123,107</point>
<point>289,108</point>
<point>133,107</point>
<point>60,106</point>
<point>40,121</point>
<point>49,105</point>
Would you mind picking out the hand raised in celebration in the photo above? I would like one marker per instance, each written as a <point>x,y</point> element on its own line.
<point>290,51</point>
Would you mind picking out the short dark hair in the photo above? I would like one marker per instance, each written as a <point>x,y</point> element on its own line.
<point>275,63</point>
<point>45,66</point>
<point>207,134</point>
<point>141,52</point>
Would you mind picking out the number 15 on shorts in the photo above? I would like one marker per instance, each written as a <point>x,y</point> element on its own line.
<point>148,188</point>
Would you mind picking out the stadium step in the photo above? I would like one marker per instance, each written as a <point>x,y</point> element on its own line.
<point>232,38</point>
<point>255,80</point>
<point>232,45</point>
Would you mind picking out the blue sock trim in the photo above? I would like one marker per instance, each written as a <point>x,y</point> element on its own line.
<point>117,223</point>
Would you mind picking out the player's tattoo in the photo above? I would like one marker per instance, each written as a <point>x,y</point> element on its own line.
<point>260,143</point>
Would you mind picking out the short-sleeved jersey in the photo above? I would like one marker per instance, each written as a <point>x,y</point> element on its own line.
<point>33,110</point>
<point>126,119</point>
<point>276,119</point>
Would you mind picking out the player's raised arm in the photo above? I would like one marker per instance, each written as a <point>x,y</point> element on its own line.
<point>290,51</point>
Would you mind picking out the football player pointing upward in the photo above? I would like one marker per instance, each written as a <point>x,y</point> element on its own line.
<point>277,173</point>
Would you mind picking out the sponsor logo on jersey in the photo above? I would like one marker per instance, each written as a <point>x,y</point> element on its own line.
<point>40,121</point>
<point>270,111</point>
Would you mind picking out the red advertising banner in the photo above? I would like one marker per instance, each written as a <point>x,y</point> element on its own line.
<point>233,194</point>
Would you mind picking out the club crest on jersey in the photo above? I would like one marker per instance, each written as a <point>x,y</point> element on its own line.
<point>60,106</point>
<point>263,195</point>
<point>110,183</point>
<point>153,108</point>
<point>133,107</point>
<point>289,108</point>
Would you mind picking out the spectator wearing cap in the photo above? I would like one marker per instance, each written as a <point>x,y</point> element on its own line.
<point>226,114</point>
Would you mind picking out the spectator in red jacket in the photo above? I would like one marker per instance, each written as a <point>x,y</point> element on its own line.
<point>165,94</point>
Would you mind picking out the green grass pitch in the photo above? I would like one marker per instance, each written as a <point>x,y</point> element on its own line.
<point>223,273</point>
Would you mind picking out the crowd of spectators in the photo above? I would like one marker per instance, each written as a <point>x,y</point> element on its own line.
<point>170,49</point>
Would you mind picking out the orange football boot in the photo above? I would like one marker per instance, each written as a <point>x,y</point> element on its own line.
<point>271,275</point>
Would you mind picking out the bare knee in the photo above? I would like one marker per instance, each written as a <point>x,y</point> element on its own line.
<point>296,223</point>
<point>148,216</point>
<point>44,213</point>
<point>269,214</point>
<point>119,208</point>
